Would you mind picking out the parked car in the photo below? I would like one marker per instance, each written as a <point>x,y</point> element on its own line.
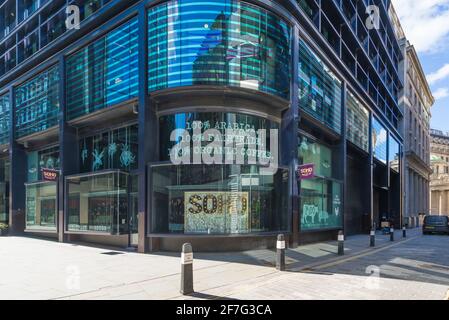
<point>436,224</point>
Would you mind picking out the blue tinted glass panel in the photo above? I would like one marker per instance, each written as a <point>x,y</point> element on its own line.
<point>104,73</point>
<point>4,119</point>
<point>319,89</point>
<point>116,149</point>
<point>380,141</point>
<point>37,104</point>
<point>216,42</point>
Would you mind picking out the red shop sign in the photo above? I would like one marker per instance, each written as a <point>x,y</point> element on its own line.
<point>50,174</point>
<point>306,171</point>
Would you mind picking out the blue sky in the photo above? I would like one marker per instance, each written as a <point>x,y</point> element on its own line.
<point>426,24</point>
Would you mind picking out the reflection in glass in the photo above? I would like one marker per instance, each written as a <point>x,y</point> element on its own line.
<point>394,155</point>
<point>98,203</point>
<point>5,114</point>
<point>357,122</point>
<point>37,103</point>
<point>41,206</point>
<point>218,199</point>
<point>218,42</point>
<point>115,149</point>
<point>320,204</point>
<point>37,160</point>
<point>319,89</point>
<point>104,73</point>
<point>380,141</point>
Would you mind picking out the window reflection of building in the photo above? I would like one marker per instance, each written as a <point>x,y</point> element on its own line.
<point>4,190</point>
<point>320,197</point>
<point>357,121</point>
<point>218,43</point>
<point>216,199</point>
<point>380,142</point>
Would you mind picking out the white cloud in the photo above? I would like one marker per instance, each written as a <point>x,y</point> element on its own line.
<point>441,93</point>
<point>438,75</point>
<point>425,22</point>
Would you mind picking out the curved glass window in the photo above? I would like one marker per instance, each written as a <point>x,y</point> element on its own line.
<point>104,73</point>
<point>37,103</point>
<point>380,141</point>
<point>4,119</point>
<point>241,128</point>
<point>319,89</point>
<point>218,42</point>
<point>218,199</point>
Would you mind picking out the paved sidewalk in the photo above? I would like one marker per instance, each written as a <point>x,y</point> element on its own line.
<point>39,269</point>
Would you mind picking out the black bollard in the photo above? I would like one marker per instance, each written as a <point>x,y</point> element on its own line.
<point>341,243</point>
<point>372,238</point>
<point>404,232</point>
<point>280,253</point>
<point>391,233</point>
<point>186,269</point>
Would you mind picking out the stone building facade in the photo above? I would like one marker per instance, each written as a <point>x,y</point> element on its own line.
<point>439,184</point>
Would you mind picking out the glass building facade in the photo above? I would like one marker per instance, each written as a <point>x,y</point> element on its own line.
<point>127,112</point>
<point>319,89</point>
<point>104,73</point>
<point>41,201</point>
<point>37,104</point>
<point>215,42</point>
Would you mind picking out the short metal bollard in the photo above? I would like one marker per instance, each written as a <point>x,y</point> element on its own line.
<point>404,232</point>
<point>391,234</point>
<point>280,253</point>
<point>372,238</point>
<point>186,269</point>
<point>341,243</point>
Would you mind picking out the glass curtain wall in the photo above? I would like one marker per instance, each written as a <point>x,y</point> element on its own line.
<point>98,203</point>
<point>220,198</point>
<point>104,73</point>
<point>216,42</point>
<point>37,103</point>
<point>41,197</point>
<point>319,89</point>
<point>5,114</point>
<point>394,155</point>
<point>380,141</point>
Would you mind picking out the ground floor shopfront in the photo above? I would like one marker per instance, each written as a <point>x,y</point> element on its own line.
<point>225,206</point>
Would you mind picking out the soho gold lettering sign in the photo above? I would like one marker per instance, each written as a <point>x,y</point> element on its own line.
<point>216,212</point>
<point>50,174</point>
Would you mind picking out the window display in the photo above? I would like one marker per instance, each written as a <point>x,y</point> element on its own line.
<point>41,206</point>
<point>218,199</point>
<point>321,196</point>
<point>380,141</point>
